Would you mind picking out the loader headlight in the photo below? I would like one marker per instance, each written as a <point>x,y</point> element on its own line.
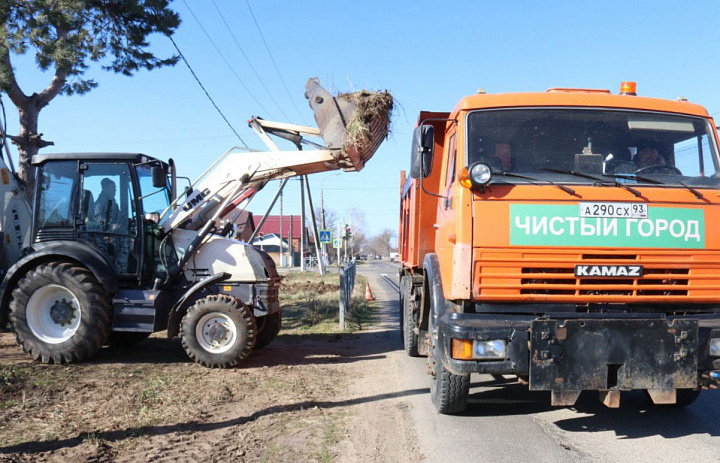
<point>489,350</point>
<point>715,347</point>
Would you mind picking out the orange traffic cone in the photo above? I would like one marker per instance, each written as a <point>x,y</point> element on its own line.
<point>368,293</point>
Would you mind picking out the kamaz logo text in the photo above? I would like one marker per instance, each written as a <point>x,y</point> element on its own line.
<point>627,271</point>
<point>195,200</point>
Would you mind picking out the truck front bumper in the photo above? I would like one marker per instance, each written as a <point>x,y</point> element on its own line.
<point>587,351</point>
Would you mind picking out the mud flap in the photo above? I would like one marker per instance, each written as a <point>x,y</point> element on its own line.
<point>610,355</point>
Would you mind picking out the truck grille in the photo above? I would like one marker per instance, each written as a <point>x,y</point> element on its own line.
<point>551,277</point>
<point>556,281</point>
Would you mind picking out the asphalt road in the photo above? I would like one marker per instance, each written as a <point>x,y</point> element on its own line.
<point>506,422</point>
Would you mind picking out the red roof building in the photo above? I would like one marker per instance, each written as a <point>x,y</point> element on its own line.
<point>272,225</point>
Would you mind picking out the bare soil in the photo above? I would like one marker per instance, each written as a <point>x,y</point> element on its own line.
<point>314,394</point>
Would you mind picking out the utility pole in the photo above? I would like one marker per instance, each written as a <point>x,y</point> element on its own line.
<point>291,242</point>
<point>322,217</point>
<point>303,267</point>
<point>316,235</point>
<point>282,249</point>
<point>339,236</point>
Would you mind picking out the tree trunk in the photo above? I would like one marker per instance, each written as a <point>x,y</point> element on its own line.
<point>28,142</point>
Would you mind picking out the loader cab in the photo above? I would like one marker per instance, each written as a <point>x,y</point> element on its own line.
<point>100,199</point>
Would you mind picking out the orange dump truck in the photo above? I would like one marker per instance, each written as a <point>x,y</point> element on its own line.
<point>570,238</point>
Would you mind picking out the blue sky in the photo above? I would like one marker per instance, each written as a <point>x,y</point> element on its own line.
<point>428,54</point>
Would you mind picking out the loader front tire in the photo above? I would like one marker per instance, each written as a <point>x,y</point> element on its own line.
<point>269,330</point>
<point>218,331</point>
<point>60,313</point>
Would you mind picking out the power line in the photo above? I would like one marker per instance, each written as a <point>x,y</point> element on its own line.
<point>274,63</point>
<point>206,92</point>
<point>227,26</point>
<point>226,61</point>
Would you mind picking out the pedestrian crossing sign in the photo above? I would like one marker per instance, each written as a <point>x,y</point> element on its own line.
<point>325,236</point>
<point>337,243</point>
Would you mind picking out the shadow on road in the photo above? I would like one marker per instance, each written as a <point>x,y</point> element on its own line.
<point>34,447</point>
<point>636,418</point>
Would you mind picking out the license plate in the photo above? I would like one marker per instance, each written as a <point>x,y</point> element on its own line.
<point>614,210</point>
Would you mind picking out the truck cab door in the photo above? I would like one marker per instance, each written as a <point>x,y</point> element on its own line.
<point>446,236</point>
<point>108,214</point>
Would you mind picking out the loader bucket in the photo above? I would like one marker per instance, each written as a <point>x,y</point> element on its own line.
<point>353,123</point>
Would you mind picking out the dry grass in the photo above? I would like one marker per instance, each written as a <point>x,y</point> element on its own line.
<point>310,303</point>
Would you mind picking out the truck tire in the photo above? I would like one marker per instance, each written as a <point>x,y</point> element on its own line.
<point>269,329</point>
<point>410,338</point>
<point>448,392</point>
<point>218,331</point>
<point>60,313</point>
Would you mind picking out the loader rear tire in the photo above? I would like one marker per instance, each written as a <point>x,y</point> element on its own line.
<point>218,331</point>
<point>269,330</point>
<point>60,313</point>
<point>410,338</point>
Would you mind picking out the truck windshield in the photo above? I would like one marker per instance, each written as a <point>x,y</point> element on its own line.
<point>631,146</point>
<point>153,199</point>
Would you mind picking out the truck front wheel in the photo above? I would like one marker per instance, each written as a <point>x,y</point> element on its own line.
<point>218,331</point>
<point>449,392</point>
<point>60,313</point>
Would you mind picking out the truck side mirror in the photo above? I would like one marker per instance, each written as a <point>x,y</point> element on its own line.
<point>423,146</point>
<point>159,176</point>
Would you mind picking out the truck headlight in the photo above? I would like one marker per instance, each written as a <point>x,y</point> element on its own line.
<point>489,350</point>
<point>466,349</point>
<point>480,174</point>
<point>715,347</point>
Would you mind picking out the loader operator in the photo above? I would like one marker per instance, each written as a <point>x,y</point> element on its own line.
<point>106,211</point>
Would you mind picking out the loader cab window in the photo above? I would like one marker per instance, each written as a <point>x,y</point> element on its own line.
<point>108,216</point>
<point>56,186</point>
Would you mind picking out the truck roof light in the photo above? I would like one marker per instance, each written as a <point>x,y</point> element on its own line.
<point>628,88</point>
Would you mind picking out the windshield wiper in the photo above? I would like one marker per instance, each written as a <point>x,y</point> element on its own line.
<point>692,190</point>
<point>592,177</point>
<point>534,181</point>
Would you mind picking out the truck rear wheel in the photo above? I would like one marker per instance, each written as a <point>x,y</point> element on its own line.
<point>218,331</point>
<point>60,313</point>
<point>269,330</point>
<point>410,338</point>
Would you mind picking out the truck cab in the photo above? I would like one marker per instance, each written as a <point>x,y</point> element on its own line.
<point>573,245</point>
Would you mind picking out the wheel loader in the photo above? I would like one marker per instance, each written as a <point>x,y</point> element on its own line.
<point>110,252</point>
